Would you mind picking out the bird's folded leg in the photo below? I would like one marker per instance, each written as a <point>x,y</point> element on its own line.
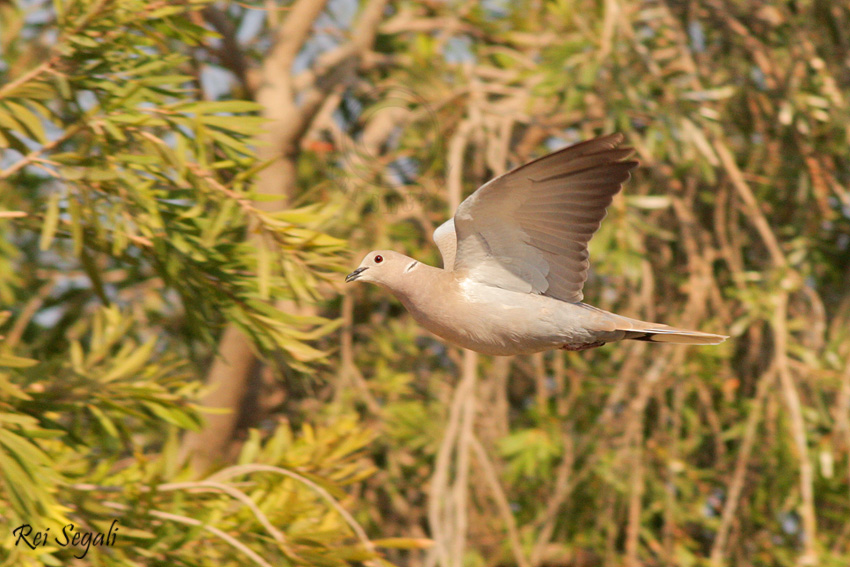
<point>585,346</point>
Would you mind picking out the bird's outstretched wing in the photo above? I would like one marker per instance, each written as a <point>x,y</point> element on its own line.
<point>446,239</point>
<point>527,230</point>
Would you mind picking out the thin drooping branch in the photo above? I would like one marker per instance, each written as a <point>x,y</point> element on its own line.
<point>440,498</point>
<point>753,209</point>
<point>501,499</point>
<point>556,501</point>
<point>736,485</point>
<point>348,370</point>
<point>460,490</point>
<point>798,433</point>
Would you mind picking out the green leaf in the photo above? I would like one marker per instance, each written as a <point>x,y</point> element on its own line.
<point>34,125</point>
<point>7,121</point>
<point>174,416</point>
<point>131,364</point>
<point>51,221</point>
<point>403,543</point>
<point>10,361</point>
<point>166,80</point>
<point>76,225</point>
<point>248,125</point>
<point>209,107</point>
<point>103,420</point>
<point>264,269</point>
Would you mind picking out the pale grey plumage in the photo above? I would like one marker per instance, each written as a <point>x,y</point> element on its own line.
<point>515,261</point>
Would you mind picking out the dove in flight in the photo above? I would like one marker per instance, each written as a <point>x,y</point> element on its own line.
<point>515,260</point>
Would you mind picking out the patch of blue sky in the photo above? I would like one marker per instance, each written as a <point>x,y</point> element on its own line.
<point>458,49</point>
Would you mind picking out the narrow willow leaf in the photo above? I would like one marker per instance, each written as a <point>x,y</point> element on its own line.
<point>139,119</point>
<point>181,150</point>
<point>264,269</point>
<point>209,107</point>
<point>174,416</point>
<point>11,361</point>
<point>248,125</point>
<point>93,271</point>
<point>113,130</point>
<point>64,86</point>
<point>68,158</point>
<point>16,480</point>
<point>18,419</point>
<point>31,122</point>
<point>101,174</point>
<point>296,283</point>
<point>103,420</point>
<point>51,221</point>
<point>31,90</point>
<point>27,453</point>
<point>300,351</point>
<point>83,40</point>
<point>77,357</point>
<point>45,112</point>
<point>227,140</point>
<point>224,164</point>
<point>149,67</point>
<point>224,215</point>
<point>10,390</point>
<point>76,225</point>
<point>160,80</point>
<point>138,159</point>
<point>120,240</point>
<point>302,216</point>
<point>131,364</point>
<point>403,543</point>
<point>7,120</point>
<point>200,141</point>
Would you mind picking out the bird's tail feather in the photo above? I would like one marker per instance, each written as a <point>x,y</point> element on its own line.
<point>658,333</point>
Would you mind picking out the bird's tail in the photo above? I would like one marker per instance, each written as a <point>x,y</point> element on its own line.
<point>658,333</point>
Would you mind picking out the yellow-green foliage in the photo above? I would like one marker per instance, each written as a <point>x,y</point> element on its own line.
<point>125,200</point>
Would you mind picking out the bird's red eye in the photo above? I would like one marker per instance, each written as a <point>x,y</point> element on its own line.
<point>379,259</point>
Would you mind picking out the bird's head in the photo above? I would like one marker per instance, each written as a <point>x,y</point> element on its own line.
<point>383,267</point>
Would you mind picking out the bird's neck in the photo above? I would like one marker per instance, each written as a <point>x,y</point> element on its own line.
<point>422,285</point>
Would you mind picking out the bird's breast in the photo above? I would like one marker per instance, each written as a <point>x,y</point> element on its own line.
<point>488,319</point>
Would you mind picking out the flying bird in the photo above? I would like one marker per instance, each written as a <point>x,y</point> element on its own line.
<point>515,260</point>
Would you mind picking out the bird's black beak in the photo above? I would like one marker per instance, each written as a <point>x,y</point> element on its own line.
<point>355,274</point>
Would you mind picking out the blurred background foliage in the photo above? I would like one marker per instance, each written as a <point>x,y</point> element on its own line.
<point>183,185</point>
